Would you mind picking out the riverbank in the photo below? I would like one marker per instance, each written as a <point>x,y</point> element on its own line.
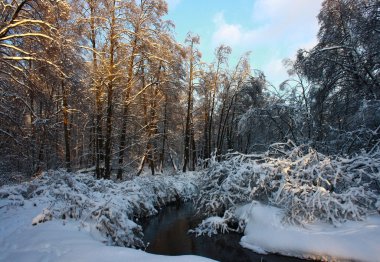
<point>109,209</point>
<point>266,233</point>
<point>62,240</point>
<point>69,216</point>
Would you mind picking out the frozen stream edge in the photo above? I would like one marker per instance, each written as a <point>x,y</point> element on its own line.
<point>352,240</point>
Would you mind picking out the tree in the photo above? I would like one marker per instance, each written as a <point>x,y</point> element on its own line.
<point>89,12</point>
<point>111,78</point>
<point>211,84</point>
<point>146,22</point>
<point>193,57</point>
<point>164,73</point>
<point>233,84</point>
<point>342,67</point>
<point>27,35</point>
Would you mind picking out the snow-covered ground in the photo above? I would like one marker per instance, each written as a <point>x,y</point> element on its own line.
<point>351,241</point>
<point>74,217</point>
<point>61,240</point>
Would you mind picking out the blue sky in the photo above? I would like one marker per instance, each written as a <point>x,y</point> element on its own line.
<point>271,29</point>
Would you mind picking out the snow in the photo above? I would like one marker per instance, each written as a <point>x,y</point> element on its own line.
<point>316,206</point>
<point>74,217</point>
<point>211,226</point>
<point>61,240</point>
<point>309,186</point>
<point>112,208</point>
<point>43,217</point>
<point>266,233</point>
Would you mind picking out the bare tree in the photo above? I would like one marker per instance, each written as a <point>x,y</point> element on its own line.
<point>193,57</point>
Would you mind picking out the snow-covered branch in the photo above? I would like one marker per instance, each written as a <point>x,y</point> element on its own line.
<point>308,185</point>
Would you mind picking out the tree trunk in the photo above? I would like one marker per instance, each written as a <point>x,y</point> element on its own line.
<point>186,154</point>
<point>219,140</point>
<point>193,148</point>
<point>66,127</point>
<point>206,149</point>
<point>122,143</point>
<point>162,154</point>
<point>211,126</point>
<point>153,129</point>
<point>108,144</point>
<point>98,137</point>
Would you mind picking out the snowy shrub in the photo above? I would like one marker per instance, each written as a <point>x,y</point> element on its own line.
<point>215,224</point>
<point>107,206</point>
<point>43,217</point>
<point>306,184</point>
<point>211,226</point>
<point>118,228</point>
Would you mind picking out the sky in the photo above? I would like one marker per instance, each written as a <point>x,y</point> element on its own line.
<point>271,30</point>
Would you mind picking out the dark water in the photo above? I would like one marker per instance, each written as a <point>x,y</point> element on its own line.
<point>167,235</point>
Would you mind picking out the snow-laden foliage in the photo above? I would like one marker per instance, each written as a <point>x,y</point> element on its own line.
<point>43,217</point>
<point>110,208</point>
<point>308,185</point>
<point>211,226</point>
<point>215,224</point>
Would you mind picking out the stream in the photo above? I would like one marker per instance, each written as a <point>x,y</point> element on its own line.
<point>167,234</point>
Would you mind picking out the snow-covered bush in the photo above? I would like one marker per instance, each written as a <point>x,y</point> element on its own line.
<point>216,224</point>
<point>43,217</point>
<point>211,226</point>
<point>109,207</point>
<point>306,184</point>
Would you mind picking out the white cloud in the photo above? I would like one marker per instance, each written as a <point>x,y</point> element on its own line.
<point>173,4</point>
<point>291,22</point>
<point>275,67</point>
<point>276,25</point>
<point>295,11</point>
<point>234,35</point>
<point>229,34</point>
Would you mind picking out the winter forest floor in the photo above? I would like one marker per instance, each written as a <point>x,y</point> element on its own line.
<point>331,215</point>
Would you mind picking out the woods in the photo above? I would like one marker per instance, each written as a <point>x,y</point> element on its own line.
<point>107,117</point>
<point>105,85</point>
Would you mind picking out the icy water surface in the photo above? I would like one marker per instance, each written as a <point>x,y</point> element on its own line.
<point>167,235</point>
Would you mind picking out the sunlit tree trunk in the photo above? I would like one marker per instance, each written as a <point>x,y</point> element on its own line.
<point>65,110</point>
<point>110,86</point>
<point>128,90</point>
<point>189,111</point>
<point>99,155</point>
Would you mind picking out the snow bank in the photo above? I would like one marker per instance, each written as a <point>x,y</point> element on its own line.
<point>61,240</point>
<point>108,208</point>
<point>266,233</point>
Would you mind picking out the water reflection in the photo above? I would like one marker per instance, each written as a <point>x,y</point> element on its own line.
<point>167,235</point>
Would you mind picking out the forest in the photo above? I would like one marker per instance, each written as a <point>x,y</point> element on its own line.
<point>100,96</point>
<point>104,84</point>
